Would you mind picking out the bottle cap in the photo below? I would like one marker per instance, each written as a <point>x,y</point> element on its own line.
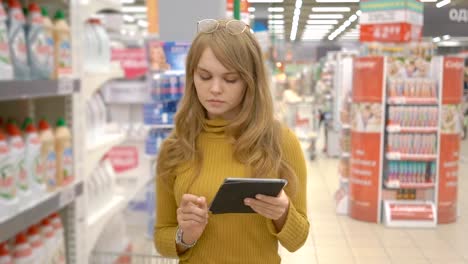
<point>26,122</point>
<point>61,122</point>
<point>3,247</point>
<point>59,15</point>
<point>33,230</point>
<point>43,125</point>
<point>14,4</point>
<point>33,7</point>
<point>13,130</point>
<point>21,238</point>
<point>44,11</point>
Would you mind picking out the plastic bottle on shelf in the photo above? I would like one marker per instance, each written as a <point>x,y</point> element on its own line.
<point>34,166</point>
<point>48,234</point>
<point>6,69</point>
<point>37,244</point>
<point>23,253</point>
<point>5,257</point>
<point>17,41</point>
<point>17,149</point>
<point>91,46</point>
<point>62,46</point>
<point>103,39</point>
<point>48,156</point>
<point>38,47</point>
<point>63,148</point>
<point>59,254</point>
<point>8,194</point>
<point>48,27</point>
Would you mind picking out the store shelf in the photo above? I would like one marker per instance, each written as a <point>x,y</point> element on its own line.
<point>95,152</point>
<point>412,214</point>
<point>411,101</point>
<point>421,130</point>
<point>13,90</point>
<point>95,80</point>
<point>398,185</point>
<point>410,157</point>
<point>98,220</point>
<point>42,208</point>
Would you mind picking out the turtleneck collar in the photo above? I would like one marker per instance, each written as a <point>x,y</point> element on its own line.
<point>217,126</point>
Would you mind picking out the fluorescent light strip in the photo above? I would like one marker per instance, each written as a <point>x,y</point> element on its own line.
<point>276,22</point>
<point>443,3</point>
<point>446,37</point>
<point>134,9</point>
<point>128,18</point>
<point>437,39</point>
<point>428,1</point>
<point>143,23</point>
<point>331,9</point>
<point>298,4</point>
<point>322,22</point>
<point>326,16</point>
<point>265,1</point>
<point>319,26</point>
<point>276,9</point>
<point>251,9</point>
<point>127,2</point>
<point>278,16</point>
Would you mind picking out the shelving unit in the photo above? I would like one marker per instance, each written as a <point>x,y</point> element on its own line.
<point>410,157</point>
<point>412,101</point>
<point>416,214</point>
<point>93,81</point>
<point>14,90</point>
<point>97,151</point>
<point>43,207</point>
<point>420,130</point>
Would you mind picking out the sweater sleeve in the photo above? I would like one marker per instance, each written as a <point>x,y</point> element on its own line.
<point>295,231</point>
<point>166,223</point>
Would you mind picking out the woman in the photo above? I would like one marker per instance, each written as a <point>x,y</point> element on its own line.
<point>225,128</point>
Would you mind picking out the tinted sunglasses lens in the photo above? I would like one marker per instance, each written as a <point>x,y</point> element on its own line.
<point>236,27</point>
<point>207,26</point>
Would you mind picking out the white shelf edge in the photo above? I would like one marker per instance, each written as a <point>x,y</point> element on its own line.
<point>95,152</point>
<point>161,126</point>
<point>92,81</point>
<point>97,221</point>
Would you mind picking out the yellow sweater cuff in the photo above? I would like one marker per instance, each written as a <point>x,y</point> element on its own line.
<point>166,245</point>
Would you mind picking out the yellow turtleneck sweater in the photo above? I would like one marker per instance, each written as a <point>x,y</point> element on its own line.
<point>231,238</point>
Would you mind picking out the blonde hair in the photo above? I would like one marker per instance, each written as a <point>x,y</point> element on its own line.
<point>255,134</point>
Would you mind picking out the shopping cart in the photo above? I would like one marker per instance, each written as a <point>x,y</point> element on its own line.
<point>129,258</point>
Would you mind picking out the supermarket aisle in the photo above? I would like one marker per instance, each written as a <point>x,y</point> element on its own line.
<point>339,239</point>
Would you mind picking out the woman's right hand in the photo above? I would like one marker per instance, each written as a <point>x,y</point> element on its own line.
<point>192,216</point>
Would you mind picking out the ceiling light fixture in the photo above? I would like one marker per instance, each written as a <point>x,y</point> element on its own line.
<point>443,3</point>
<point>143,23</point>
<point>326,16</point>
<point>353,18</point>
<point>276,22</point>
<point>276,9</point>
<point>319,26</point>
<point>428,1</point>
<point>331,9</point>
<point>251,9</point>
<point>446,37</point>
<point>134,9</point>
<point>322,22</point>
<point>359,13</point>
<point>295,22</point>
<point>127,2</point>
<point>278,16</point>
<point>298,4</point>
<point>128,18</point>
<point>337,1</point>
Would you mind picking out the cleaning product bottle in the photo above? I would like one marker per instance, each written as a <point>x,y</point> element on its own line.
<point>48,234</point>
<point>37,244</point>
<point>23,252</point>
<point>33,165</point>
<point>91,56</point>
<point>5,257</point>
<point>49,37</point>
<point>6,70</point>
<point>38,48</point>
<point>59,255</point>
<point>47,155</point>
<point>63,148</point>
<point>8,195</point>
<point>62,46</point>
<point>17,152</point>
<point>17,41</point>
<point>103,38</point>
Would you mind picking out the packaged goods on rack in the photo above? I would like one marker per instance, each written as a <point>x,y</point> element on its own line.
<point>154,140</point>
<point>167,86</point>
<point>6,69</point>
<point>412,144</point>
<point>402,174</point>
<point>422,50</point>
<point>101,185</point>
<point>415,116</point>
<point>412,88</point>
<point>159,113</point>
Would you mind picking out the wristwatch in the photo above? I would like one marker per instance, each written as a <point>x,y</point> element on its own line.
<point>180,241</point>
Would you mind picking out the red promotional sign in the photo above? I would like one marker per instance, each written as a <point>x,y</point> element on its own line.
<point>132,60</point>
<point>390,32</point>
<point>411,212</point>
<point>364,177</point>
<point>368,77</point>
<point>453,80</point>
<point>448,171</point>
<point>123,158</point>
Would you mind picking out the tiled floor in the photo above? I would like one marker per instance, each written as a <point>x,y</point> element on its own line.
<point>335,239</point>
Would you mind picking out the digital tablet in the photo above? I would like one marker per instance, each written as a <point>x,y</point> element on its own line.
<point>230,196</point>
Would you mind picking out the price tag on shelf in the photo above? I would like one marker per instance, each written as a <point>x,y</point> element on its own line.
<point>67,195</point>
<point>65,86</point>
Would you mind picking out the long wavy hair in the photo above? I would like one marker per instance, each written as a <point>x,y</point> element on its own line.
<point>255,134</point>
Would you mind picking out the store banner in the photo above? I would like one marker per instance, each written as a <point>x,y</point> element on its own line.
<point>132,60</point>
<point>411,212</point>
<point>451,129</point>
<point>390,32</point>
<point>368,78</point>
<point>397,16</point>
<point>123,158</point>
<point>391,5</point>
<point>451,19</point>
<point>367,124</point>
<point>364,177</point>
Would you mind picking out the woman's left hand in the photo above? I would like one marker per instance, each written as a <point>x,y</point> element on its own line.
<point>274,208</point>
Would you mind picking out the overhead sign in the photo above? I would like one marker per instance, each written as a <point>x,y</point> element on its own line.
<point>449,20</point>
